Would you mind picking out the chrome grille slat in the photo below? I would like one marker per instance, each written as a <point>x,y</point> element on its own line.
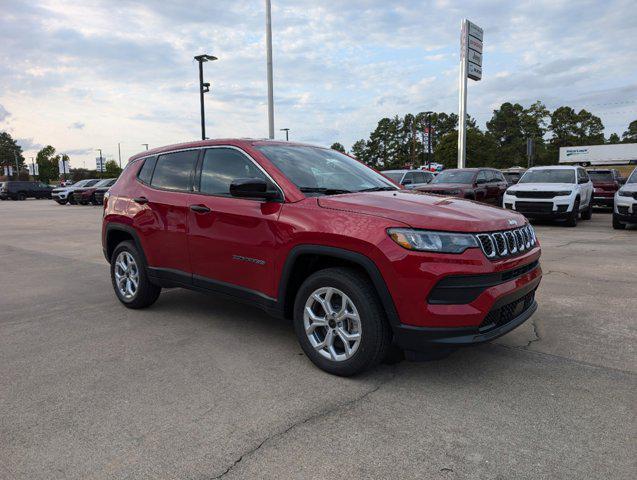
<point>508,242</point>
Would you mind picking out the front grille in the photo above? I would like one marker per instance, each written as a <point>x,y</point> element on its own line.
<point>537,207</point>
<point>503,315</point>
<point>507,243</point>
<point>533,194</point>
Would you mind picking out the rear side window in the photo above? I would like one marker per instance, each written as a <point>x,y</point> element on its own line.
<point>173,170</point>
<point>146,172</point>
<point>223,165</point>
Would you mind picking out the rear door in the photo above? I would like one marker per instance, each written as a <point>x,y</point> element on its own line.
<point>159,207</point>
<point>231,240</point>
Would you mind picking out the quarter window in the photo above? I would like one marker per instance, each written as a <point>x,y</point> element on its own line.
<point>146,172</point>
<point>221,166</point>
<point>173,170</point>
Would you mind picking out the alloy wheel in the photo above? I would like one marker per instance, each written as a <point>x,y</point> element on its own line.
<point>126,275</point>
<point>332,324</point>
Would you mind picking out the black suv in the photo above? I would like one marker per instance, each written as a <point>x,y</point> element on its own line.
<point>17,190</point>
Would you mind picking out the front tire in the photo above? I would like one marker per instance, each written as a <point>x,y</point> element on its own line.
<point>129,278</point>
<point>588,213</point>
<point>571,221</point>
<point>617,225</point>
<point>340,322</point>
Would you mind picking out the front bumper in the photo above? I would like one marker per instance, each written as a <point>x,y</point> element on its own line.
<point>557,207</point>
<point>603,201</point>
<point>625,209</point>
<point>508,312</point>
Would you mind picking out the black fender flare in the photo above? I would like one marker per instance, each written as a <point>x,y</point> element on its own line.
<point>111,227</point>
<point>354,257</point>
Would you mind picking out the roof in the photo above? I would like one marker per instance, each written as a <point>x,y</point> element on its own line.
<point>555,167</point>
<point>219,141</point>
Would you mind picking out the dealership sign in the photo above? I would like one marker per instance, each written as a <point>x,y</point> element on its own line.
<point>471,45</point>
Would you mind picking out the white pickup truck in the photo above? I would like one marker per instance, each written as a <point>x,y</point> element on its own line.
<point>558,192</point>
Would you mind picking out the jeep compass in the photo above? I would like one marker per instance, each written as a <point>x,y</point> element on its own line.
<point>360,266</point>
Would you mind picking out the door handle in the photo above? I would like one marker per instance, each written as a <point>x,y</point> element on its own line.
<point>199,208</point>
<point>140,200</point>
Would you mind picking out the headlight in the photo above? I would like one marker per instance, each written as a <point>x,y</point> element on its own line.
<point>624,193</point>
<point>563,193</point>
<point>425,241</point>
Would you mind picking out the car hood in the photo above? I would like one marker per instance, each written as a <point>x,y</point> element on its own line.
<point>541,187</point>
<point>436,187</point>
<point>420,210</point>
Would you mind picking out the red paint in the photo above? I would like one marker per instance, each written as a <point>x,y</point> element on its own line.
<point>174,237</point>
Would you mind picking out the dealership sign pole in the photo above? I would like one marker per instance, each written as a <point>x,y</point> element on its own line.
<point>470,67</point>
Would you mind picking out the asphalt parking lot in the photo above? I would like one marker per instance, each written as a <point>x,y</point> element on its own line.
<point>199,388</point>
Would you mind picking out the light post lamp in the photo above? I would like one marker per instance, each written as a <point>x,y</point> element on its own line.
<point>203,88</point>
<point>287,136</point>
<point>145,145</point>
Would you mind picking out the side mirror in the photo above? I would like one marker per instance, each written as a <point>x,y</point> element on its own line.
<point>252,188</point>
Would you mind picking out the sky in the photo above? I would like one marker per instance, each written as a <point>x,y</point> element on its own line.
<point>83,75</point>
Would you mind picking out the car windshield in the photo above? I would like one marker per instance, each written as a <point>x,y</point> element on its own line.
<point>81,183</point>
<point>454,176</point>
<point>321,171</point>
<point>633,177</point>
<point>512,175</point>
<point>395,176</point>
<point>601,176</point>
<point>104,183</point>
<point>548,175</point>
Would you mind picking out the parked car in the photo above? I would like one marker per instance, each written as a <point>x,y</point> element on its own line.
<point>606,182</point>
<point>101,191</point>
<point>513,175</point>
<point>358,265</point>
<point>63,195</point>
<point>625,208</point>
<point>410,179</point>
<point>482,184</point>
<point>21,190</point>
<point>556,192</point>
<point>86,195</point>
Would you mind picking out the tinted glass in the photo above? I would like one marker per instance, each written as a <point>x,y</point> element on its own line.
<point>146,172</point>
<point>395,176</point>
<point>633,177</point>
<point>548,176</point>
<point>223,165</point>
<point>455,176</point>
<point>419,177</point>
<point>313,168</point>
<point>602,176</point>
<point>409,178</point>
<point>173,170</point>
<point>482,177</point>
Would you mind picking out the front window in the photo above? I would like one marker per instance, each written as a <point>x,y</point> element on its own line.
<point>455,176</point>
<point>548,176</point>
<point>321,171</point>
<point>633,177</point>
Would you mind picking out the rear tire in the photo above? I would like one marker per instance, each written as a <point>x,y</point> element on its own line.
<point>130,279</point>
<point>355,316</point>
<point>571,221</point>
<point>22,196</point>
<point>617,225</point>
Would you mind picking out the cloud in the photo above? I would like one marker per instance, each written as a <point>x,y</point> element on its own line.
<point>78,151</point>
<point>4,114</point>
<point>338,66</point>
<point>28,144</point>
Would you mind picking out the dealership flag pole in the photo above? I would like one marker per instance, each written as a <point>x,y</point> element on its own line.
<point>471,37</point>
<point>268,34</point>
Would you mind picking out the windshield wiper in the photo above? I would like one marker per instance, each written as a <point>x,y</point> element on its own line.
<point>377,189</point>
<point>325,191</point>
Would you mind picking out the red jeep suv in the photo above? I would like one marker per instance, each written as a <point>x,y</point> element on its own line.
<point>360,265</point>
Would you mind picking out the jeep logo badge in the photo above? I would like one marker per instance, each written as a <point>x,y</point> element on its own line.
<point>513,222</point>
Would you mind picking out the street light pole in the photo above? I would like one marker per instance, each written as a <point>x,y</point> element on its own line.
<point>268,35</point>
<point>119,152</point>
<point>203,88</point>
<point>145,145</point>
<point>287,131</point>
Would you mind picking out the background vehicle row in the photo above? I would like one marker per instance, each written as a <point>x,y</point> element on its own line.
<point>21,190</point>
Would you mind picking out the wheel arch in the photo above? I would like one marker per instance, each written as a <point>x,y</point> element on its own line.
<point>304,260</point>
<point>117,233</point>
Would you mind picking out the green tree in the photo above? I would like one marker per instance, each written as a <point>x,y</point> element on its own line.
<point>614,138</point>
<point>481,150</point>
<point>47,162</point>
<point>112,170</point>
<point>338,147</point>
<point>9,151</point>
<point>360,152</point>
<point>630,135</point>
<point>570,128</point>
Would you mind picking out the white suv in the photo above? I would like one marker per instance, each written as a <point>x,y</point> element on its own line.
<point>625,210</point>
<point>62,195</point>
<point>560,192</point>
